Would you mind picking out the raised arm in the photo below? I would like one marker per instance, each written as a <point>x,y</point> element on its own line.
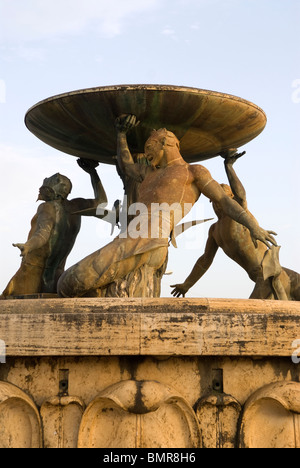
<point>89,166</point>
<point>123,125</point>
<point>238,190</point>
<point>126,164</point>
<point>200,268</point>
<point>212,190</point>
<point>88,207</point>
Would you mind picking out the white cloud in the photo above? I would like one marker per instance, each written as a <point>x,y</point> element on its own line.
<point>167,31</point>
<point>41,19</point>
<point>170,33</point>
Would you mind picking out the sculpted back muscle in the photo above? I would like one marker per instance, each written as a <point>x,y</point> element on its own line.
<point>168,185</point>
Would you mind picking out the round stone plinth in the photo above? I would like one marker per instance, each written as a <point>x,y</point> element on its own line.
<point>149,373</point>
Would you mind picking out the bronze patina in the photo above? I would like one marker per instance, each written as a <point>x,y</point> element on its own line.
<point>82,123</point>
<point>152,134</point>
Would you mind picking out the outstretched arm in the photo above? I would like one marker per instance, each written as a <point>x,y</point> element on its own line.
<point>44,225</point>
<point>200,268</point>
<point>212,190</point>
<point>238,190</point>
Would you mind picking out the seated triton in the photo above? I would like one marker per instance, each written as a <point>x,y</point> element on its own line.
<point>54,230</point>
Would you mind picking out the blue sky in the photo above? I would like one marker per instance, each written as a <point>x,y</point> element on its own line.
<point>249,48</point>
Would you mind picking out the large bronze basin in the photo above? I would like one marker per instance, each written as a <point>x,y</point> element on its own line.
<point>81,123</point>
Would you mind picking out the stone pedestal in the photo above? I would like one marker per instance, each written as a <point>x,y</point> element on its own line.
<point>134,373</point>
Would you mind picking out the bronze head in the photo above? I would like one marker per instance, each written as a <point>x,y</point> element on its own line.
<point>55,187</point>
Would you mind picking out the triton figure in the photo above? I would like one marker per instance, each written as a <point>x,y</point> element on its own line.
<point>262,264</point>
<point>168,180</point>
<point>53,232</point>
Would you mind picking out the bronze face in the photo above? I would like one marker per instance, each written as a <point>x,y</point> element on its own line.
<point>55,187</point>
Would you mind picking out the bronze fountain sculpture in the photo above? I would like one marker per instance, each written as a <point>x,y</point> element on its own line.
<point>114,125</point>
<point>107,362</point>
<point>54,230</point>
<point>262,264</point>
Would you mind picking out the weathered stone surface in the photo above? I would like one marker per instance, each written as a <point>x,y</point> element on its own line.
<point>131,373</point>
<point>271,417</point>
<point>20,424</point>
<point>190,327</point>
<point>218,416</point>
<point>61,416</point>
<point>145,414</point>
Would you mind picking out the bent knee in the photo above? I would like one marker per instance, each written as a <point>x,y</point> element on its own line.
<point>69,286</point>
<point>157,257</point>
